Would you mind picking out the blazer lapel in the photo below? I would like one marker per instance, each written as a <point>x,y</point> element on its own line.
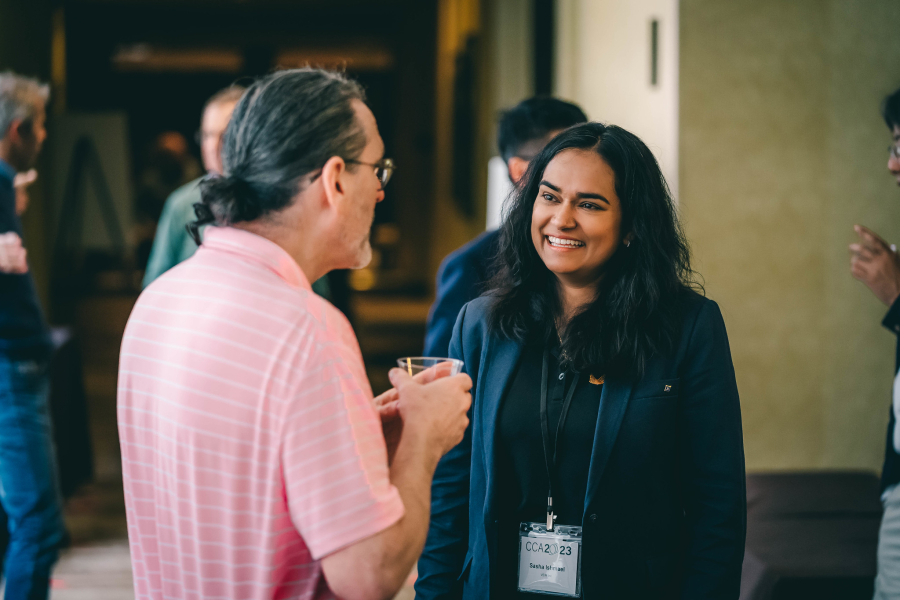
<point>613,402</point>
<point>500,359</point>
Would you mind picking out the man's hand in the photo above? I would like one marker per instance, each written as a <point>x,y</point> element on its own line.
<point>876,264</point>
<point>434,406</point>
<point>388,407</point>
<point>432,409</point>
<point>21,183</point>
<point>13,257</point>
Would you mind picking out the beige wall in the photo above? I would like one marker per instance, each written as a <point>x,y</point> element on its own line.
<point>603,63</point>
<point>782,150</point>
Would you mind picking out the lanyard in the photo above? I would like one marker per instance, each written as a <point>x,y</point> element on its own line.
<point>550,459</point>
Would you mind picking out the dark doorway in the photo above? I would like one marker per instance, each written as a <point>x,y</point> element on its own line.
<point>159,61</point>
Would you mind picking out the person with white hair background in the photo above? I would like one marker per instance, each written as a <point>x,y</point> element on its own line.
<point>29,490</point>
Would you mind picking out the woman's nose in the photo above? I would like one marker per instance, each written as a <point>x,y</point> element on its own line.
<point>564,217</point>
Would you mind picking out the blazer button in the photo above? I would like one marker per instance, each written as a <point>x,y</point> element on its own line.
<point>593,518</point>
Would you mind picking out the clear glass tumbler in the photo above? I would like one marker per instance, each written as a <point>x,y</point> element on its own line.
<point>416,364</point>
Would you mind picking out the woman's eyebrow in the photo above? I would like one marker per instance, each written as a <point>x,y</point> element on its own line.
<point>550,185</point>
<point>592,196</point>
<point>581,195</point>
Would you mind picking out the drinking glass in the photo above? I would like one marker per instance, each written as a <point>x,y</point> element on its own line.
<point>416,364</point>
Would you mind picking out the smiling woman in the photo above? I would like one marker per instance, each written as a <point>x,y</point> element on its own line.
<point>595,208</point>
<point>606,417</point>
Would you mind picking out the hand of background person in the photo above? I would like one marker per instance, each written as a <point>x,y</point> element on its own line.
<point>21,183</point>
<point>877,265</point>
<point>433,405</point>
<point>388,407</point>
<point>13,257</point>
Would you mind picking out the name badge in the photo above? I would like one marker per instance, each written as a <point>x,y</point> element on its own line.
<point>550,561</point>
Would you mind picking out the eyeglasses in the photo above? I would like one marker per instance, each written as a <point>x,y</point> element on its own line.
<point>384,168</point>
<point>894,150</point>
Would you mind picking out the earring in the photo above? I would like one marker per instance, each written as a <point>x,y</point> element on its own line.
<point>628,244</point>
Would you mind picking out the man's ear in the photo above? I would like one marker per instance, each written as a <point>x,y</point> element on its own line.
<point>517,167</point>
<point>333,179</point>
<point>18,128</point>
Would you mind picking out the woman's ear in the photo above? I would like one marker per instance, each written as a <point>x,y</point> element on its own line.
<point>629,237</point>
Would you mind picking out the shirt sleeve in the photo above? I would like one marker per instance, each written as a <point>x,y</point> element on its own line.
<point>334,458</point>
<point>892,318</point>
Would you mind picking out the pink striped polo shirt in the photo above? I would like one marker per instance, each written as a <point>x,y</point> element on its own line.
<point>250,445</point>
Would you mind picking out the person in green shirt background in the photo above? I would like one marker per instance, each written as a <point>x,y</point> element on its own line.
<point>172,243</point>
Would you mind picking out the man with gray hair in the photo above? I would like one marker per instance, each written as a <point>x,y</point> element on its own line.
<point>254,461</point>
<point>29,492</point>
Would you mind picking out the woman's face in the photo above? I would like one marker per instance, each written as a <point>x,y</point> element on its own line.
<point>577,217</point>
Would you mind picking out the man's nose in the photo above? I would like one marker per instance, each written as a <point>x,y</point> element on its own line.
<point>380,195</point>
<point>893,164</point>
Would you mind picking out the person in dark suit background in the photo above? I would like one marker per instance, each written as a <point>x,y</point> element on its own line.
<point>593,330</point>
<point>877,264</point>
<point>522,132</point>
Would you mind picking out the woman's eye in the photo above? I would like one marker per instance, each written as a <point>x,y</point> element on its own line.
<point>549,197</point>
<point>591,206</point>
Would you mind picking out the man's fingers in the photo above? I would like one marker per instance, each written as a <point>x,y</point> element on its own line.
<point>399,377</point>
<point>438,371</point>
<point>858,271</point>
<point>870,238</point>
<point>25,179</point>
<point>861,252</point>
<point>464,381</point>
<point>389,396</point>
<point>389,411</point>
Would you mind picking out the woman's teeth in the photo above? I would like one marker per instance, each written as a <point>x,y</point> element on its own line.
<point>555,241</point>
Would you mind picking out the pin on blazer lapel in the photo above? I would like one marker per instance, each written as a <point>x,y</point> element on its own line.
<point>613,403</point>
<point>502,356</point>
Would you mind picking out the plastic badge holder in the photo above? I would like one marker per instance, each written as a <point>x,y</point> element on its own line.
<point>550,562</point>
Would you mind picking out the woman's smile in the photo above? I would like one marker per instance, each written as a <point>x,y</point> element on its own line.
<point>563,243</point>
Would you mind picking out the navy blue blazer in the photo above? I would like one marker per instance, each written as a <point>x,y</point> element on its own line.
<point>665,509</point>
<point>462,277</point>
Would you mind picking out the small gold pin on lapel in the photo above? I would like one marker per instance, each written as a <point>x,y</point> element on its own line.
<point>667,388</point>
<point>596,381</point>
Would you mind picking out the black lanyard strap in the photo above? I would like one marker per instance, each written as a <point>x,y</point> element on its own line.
<point>550,459</point>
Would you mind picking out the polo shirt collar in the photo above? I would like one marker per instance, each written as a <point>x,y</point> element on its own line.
<point>7,171</point>
<point>258,249</point>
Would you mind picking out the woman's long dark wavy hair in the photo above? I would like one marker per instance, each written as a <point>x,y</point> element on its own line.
<point>636,313</point>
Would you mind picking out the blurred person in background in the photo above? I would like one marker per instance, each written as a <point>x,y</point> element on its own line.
<point>876,263</point>
<point>29,494</point>
<point>605,401</point>
<point>255,462</point>
<point>172,243</point>
<point>167,166</point>
<point>522,132</point>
